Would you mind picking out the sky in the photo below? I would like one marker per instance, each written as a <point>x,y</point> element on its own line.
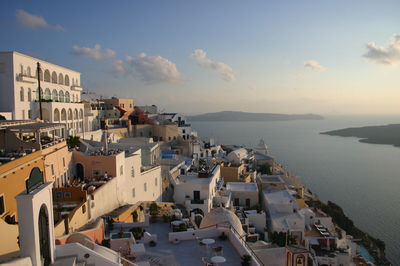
<point>322,57</point>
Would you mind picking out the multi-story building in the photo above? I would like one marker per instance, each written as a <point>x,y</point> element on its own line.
<point>196,189</point>
<point>60,91</point>
<point>126,104</point>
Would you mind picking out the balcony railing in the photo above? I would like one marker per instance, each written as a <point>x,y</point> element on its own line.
<point>197,201</point>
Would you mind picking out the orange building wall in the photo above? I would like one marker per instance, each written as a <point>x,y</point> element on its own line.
<point>12,179</point>
<point>96,234</point>
<point>90,163</point>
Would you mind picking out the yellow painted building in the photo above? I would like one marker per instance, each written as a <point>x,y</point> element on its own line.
<point>234,173</point>
<point>126,104</point>
<point>57,161</point>
<point>12,182</point>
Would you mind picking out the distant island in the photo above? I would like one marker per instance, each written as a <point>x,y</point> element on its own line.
<point>388,134</point>
<point>245,116</point>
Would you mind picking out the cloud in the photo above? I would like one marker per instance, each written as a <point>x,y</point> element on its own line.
<point>96,52</point>
<point>119,68</point>
<point>314,65</point>
<point>32,21</point>
<point>151,69</point>
<point>223,69</point>
<point>385,55</point>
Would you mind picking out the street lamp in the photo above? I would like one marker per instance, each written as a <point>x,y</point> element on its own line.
<point>40,92</point>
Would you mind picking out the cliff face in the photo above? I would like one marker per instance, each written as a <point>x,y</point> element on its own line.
<point>244,116</point>
<point>388,134</point>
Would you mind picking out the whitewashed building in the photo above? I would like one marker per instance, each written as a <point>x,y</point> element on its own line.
<point>197,189</point>
<point>60,91</point>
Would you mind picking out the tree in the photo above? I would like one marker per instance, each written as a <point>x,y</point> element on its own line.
<point>73,142</point>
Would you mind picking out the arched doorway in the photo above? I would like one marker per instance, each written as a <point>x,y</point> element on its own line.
<point>79,170</point>
<point>44,236</point>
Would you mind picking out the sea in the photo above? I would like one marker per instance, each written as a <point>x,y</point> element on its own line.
<point>364,179</point>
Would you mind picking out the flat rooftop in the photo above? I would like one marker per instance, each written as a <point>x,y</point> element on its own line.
<point>185,253</point>
<point>271,179</point>
<point>240,186</point>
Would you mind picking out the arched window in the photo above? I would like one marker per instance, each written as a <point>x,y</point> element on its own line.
<point>69,114</point>
<point>67,99</point>
<point>29,95</point>
<point>61,96</point>
<point>28,71</point>
<point>47,75</point>
<point>21,68</point>
<point>80,114</point>
<point>63,115</point>
<point>60,79</point>
<point>21,94</point>
<point>66,80</point>
<point>73,98</point>
<point>76,114</point>
<point>55,95</point>
<point>56,115</point>
<point>54,77</point>
<point>47,94</point>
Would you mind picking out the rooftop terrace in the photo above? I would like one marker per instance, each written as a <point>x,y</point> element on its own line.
<point>184,253</point>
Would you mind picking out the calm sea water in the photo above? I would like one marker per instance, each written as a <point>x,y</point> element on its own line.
<point>364,179</point>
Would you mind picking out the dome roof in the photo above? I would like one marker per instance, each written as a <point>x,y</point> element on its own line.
<point>222,216</point>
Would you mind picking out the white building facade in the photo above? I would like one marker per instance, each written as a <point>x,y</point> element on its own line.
<point>60,91</point>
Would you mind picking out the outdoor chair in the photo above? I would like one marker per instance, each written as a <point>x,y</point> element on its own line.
<point>206,261</point>
<point>217,250</point>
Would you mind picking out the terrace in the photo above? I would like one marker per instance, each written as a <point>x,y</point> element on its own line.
<point>23,137</point>
<point>186,252</point>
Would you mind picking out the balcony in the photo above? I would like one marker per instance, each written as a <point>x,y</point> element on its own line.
<point>76,88</point>
<point>197,201</point>
<point>26,78</point>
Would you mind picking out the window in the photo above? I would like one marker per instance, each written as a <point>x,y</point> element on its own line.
<point>83,208</point>
<point>133,192</point>
<point>96,172</point>
<point>133,172</point>
<point>59,195</point>
<point>29,95</point>
<point>155,181</point>
<point>21,94</point>
<point>52,169</point>
<point>130,105</point>
<point>2,206</point>
<point>63,162</point>
<point>145,187</point>
<point>29,114</point>
<point>121,170</point>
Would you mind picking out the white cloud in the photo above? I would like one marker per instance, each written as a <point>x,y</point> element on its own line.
<point>119,68</point>
<point>226,72</point>
<point>96,52</point>
<point>32,21</point>
<point>385,55</point>
<point>314,65</point>
<point>151,69</point>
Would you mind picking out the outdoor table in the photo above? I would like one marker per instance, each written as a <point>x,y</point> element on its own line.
<point>218,259</point>
<point>208,241</point>
<point>176,223</point>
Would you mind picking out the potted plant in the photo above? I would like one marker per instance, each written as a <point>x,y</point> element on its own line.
<point>246,260</point>
<point>135,216</point>
<point>153,209</point>
<point>120,233</point>
<point>223,237</point>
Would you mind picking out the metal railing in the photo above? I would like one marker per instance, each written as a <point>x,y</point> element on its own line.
<point>241,238</point>
<point>243,241</point>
